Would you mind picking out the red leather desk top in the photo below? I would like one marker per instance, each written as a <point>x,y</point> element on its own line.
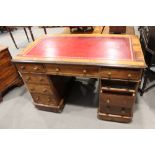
<point>113,48</point>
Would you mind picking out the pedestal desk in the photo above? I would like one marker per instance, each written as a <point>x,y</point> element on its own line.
<point>115,60</point>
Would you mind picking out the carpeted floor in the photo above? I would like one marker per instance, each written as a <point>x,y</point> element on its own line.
<point>18,111</point>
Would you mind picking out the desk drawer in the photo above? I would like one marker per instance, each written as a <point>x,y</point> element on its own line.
<point>117,103</point>
<point>42,89</point>
<point>72,70</point>
<point>26,68</point>
<point>35,78</point>
<point>114,110</point>
<point>119,73</point>
<point>44,99</point>
<point>117,99</point>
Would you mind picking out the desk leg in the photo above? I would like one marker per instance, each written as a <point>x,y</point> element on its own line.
<point>26,34</point>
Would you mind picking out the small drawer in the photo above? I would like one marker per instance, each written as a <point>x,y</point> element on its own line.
<point>34,68</point>
<point>116,110</point>
<point>44,99</point>
<point>35,78</point>
<point>119,73</point>
<point>118,86</point>
<point>72,70</point>
<point>42,89</point>
<point>117,99</point>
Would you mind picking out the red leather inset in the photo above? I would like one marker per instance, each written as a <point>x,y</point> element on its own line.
<point>113,48</point>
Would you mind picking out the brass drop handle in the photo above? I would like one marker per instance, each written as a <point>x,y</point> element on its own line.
<point>41,79</point>
<point>44,90</point>
<point>129,76</point>
<point>84,71</point>
<point>37,98</point>
<point>57,69</point>
<point>133,94</point>
<point>36,68</point>
<point>22,67</point>
<point>109,74</point>
<point>49,100</point>
<point>101,91</point>
<point>27,78</point>
<point>32,89</point>
<point>107,101</point>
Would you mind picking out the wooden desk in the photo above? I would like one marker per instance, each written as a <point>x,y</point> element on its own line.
<point>115,60</point>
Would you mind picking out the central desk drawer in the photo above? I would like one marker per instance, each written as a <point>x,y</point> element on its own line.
<point>42,89</point>
<point>35,78</point>
<point>28,68</point>
<point>119,73</point>
<point>72,70</point>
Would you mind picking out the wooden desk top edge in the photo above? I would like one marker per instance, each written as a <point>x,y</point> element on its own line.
<point>139,63</point>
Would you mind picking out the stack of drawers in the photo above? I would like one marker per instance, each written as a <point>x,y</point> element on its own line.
<point>43,90</point>
<point>8,73</point>
<point>118,93</point>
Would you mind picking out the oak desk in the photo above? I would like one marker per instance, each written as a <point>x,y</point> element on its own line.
<point>115,60</point>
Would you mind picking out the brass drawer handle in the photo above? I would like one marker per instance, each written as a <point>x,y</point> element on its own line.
<point>101,91</point>
<point>109,74</point>
<point>133,94</point>
<point>49,100</point>
<point>22,67</point>
<point>41,79</point>
<point>36,68</point>
<point>107,101</point>
<point>129,76</point>
<point>37,98</point>
<point>44,90</point>
<point>57,69</point>
<point>84,71</point>
<point>27,78</point>
<point>32,89</point>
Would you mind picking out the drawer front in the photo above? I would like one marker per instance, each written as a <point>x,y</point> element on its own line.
<point>44,99</point>
<point>34,68</point>
<point>115,110</point>
<point>35,78</point>
<point>8,81</point>
<point>7,72</point>
<point>117,99</point>
<point>72,70</point>
<point>126,74</point>
<point>43,89</point>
